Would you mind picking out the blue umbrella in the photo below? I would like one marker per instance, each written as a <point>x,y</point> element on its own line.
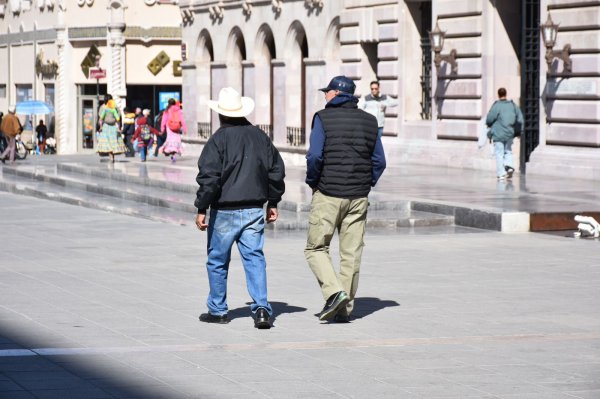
<point>34,108</point>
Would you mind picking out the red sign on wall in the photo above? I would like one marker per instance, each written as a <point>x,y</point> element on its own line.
<point>97,73</point>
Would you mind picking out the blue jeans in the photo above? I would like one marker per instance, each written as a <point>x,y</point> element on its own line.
<point>142,150</point>
<point>379,132</point>
<point>503,151</point>
<point>245,227</point>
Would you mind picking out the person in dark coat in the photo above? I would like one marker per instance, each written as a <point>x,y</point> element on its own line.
<point>344,161</point>
<point>240,171</point>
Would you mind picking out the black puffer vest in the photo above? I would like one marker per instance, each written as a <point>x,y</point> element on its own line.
<point>350,136</point>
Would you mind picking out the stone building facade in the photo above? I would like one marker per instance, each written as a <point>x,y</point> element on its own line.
<point>49,50</point>
<point>280,52</point>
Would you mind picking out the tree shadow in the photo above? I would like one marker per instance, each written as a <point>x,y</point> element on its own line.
<point>278,309</point>
<point>368,305</point>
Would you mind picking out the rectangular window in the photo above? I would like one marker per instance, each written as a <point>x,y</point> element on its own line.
<point>49,98</point>
<point>2,91</point>
<point>25,93</point>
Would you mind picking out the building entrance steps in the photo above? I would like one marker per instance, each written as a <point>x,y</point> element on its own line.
<point>141,191</point>
<point>406,196</point>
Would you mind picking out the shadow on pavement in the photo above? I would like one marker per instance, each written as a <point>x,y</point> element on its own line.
<point>366,306</point>
<point>26,374</point>
<point>278,309</point>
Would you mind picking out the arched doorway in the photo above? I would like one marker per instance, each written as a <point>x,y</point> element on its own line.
<point>236,54</point>
<point>296,50</point>
<point>264,54</point>
<point>204,57</point>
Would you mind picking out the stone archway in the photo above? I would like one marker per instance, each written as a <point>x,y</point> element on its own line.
<point>236,54</point>
<point>204,57</point>
<point>263,78</point>
<point>296,50</point>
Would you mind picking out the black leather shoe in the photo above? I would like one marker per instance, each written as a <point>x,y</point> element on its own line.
<point>262,320</point>
<point>333,304</point>
<point>211,318</point>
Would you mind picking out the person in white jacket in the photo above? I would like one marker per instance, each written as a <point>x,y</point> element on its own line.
<point>376,103</point>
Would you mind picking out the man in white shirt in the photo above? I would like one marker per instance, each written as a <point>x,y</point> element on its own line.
<point>375,104</point>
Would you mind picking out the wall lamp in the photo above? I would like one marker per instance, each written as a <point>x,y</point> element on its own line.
<point>549,32</point>
<point>436,38</point>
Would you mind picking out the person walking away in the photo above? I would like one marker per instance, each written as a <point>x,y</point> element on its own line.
<point>41,131</point>
<point>10,128</point>
<point>127,131</point>
<point>239,171</point>
<point>376,103</point>
<point>340,185</point>
<point>144,137</point>
<point>3,141</point>
<point>503,119</point>
<point>162,135</point>
<point>108,140</point>
<point>174,124</point>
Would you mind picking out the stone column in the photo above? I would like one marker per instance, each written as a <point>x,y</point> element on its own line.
<point>279,100</point>
<point>62,40</point>
<point>116,69</point>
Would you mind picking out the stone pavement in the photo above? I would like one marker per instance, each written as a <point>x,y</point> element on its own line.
<point>100,305</point>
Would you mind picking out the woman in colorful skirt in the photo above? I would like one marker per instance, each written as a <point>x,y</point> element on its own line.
<point>174,124</point>
<point>109,142</point>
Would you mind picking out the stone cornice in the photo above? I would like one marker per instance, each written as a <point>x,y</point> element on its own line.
<point>47,35</point>
<point>130,32</point>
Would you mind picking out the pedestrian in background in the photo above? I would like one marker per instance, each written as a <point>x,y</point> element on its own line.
<point>174,124</point>
<point>144,137</point>
<point>3,141</point>
<point>41,131</point>
<point>109,142</point>
<point>504,120</point>
<point>162,134</point>
<point>11,127</point>
<point>340,185</point>
<point>239,171</point>
<point>128,130</point>
<point>376,103</point>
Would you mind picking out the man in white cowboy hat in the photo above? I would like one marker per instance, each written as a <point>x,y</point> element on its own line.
<point>239,171</point>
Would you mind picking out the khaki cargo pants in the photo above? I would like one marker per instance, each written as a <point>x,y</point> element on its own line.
<point>349,217</point>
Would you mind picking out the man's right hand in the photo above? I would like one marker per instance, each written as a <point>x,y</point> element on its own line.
<point>201,222</point>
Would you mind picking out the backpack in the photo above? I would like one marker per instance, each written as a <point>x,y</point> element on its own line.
<point>109,117</point>
<point>145,133</point>
<point>174,121</point>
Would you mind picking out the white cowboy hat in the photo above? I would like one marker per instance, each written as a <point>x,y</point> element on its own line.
<point>231,103</point>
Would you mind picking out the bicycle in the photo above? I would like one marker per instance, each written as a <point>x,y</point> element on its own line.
<point>21,150</point>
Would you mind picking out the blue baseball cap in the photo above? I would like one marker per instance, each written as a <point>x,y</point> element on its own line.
<point>341,83</point>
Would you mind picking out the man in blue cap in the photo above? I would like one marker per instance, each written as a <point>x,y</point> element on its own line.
<point>344,161</point>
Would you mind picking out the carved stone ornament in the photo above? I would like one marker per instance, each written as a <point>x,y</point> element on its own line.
<point>2,10</point>
<point>276,6</point>
<point>41,4</point>
<point>150,2</point>
<point>46,69</point>
<point>216,12</point>
<point>82,3</point>
<point>15,6</point>
<point>247,7</point>
<point>187,16</point>
<point>313,4</point>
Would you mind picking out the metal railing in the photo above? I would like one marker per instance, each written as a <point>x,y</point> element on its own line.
<point>204,130</point>
<point>268,129</point>
<point>296,136</point>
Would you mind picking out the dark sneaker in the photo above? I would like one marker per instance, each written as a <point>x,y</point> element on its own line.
<point>211,318</point>
<point>333,304</point>
<point>262,320</point>
<point>341,318</point>
<point>509,172</point>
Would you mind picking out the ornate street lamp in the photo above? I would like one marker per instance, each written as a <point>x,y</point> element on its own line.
<point>436,37</point>
<point>549,31</point>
